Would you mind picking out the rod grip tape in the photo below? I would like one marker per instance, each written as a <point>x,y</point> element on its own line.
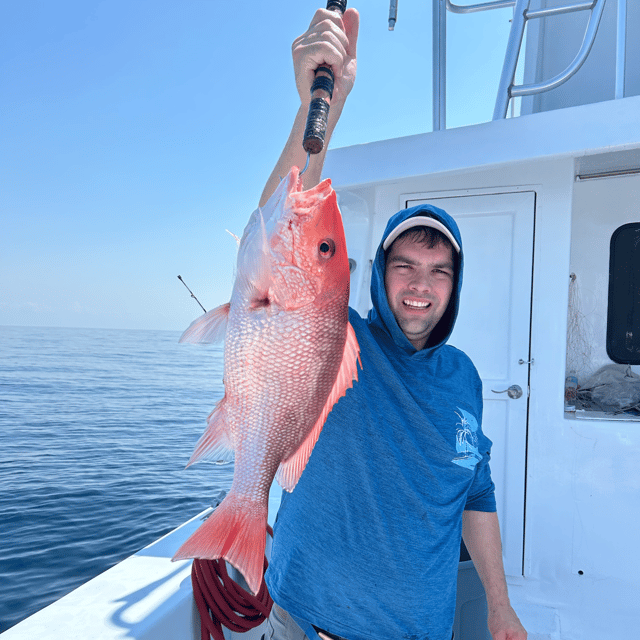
<point>337,5</point>
<point>324,82</point>
<point>321,94</point>
<point>316,128</point>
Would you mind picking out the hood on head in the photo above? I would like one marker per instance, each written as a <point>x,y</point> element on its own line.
<point>381,314</point>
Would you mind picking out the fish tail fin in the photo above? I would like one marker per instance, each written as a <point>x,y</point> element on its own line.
<point>235,531</point>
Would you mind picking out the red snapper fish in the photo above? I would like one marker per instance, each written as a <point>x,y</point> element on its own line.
<point>290,354</point>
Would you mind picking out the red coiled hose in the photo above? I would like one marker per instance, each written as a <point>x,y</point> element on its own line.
<point>222,601</point>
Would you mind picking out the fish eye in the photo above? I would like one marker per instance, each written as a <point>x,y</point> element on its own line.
<point>327,248</point>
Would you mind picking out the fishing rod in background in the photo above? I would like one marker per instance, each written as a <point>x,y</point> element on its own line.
<point>192,294</point>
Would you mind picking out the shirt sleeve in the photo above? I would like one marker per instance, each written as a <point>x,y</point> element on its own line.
<point>481,496</point>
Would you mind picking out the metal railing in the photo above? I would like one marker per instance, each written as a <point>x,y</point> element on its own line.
<point>507,89</point>
<point>440,8</point>
<point>621,47</point>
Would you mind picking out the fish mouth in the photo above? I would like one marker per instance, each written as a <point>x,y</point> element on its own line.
<point>294,180</point>
<point>294,185</point>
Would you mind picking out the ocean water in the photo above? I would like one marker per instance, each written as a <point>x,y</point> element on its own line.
<point>96,427</point>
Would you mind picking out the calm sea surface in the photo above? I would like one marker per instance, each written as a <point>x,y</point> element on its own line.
<point>96,427</point>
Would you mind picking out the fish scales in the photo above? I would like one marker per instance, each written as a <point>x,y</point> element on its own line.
<point>268,391</point>
<point>290,354</point>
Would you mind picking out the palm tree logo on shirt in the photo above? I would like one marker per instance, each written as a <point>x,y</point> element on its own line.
<point>466,440</point>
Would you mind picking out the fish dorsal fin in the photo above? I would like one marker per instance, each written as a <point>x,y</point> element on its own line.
<point>234,236</point>
<point>210,327</point>
<point>253,278</point>
<point>291,469</point>
<point>215,444</point>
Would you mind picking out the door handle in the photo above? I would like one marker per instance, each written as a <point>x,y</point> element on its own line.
<point>514,391</point>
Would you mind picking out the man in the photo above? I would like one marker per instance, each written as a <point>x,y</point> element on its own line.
<point>367,546</point>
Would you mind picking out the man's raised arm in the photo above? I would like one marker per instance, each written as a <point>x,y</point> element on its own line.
<point>330,39</point>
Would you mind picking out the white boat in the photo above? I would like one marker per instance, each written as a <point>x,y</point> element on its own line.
<point>538,198</point>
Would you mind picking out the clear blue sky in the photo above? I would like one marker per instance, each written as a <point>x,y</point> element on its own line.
<point>133,133</point>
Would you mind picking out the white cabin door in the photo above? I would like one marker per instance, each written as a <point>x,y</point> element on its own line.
<point>493,329</point>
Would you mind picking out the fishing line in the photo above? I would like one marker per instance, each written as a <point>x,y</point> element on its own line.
<point>578,334</point>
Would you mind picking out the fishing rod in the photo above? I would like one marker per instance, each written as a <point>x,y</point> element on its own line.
<point>322,91</point>
<point>321,94</point>
<point>191,292</point>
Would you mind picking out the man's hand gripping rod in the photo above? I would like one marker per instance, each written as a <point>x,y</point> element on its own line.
<point>321,94</point>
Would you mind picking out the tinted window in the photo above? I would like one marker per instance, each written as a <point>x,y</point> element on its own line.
<point>623,318</point>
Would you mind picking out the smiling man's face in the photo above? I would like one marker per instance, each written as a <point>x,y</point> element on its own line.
<point>418,281</point>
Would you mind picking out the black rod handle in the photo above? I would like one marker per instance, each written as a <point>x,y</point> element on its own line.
<point>321,94</point>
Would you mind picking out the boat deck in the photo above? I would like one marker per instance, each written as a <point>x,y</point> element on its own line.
<point>146,597</point>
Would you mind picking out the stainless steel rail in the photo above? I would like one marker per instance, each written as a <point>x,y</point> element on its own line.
<point>484,6</point>
<point>556,11</point>
<point>507,89</point>
<point>621,47</point>
<point>439,26</point>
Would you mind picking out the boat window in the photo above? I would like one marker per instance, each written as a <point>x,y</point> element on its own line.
<point>623,316</point>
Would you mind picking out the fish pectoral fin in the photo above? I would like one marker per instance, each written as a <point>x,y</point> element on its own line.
<point>215,444</point>
<point>210,327</point>
<point>290,470</point>
<point>349,366</point>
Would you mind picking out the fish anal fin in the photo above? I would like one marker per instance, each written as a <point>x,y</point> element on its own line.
<point>235,531</point>
<point>210,327</point>
<point>291,469</point>
<point>215,444</point>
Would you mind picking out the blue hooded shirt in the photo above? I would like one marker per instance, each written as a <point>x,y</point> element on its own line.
<point>367,545</point>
